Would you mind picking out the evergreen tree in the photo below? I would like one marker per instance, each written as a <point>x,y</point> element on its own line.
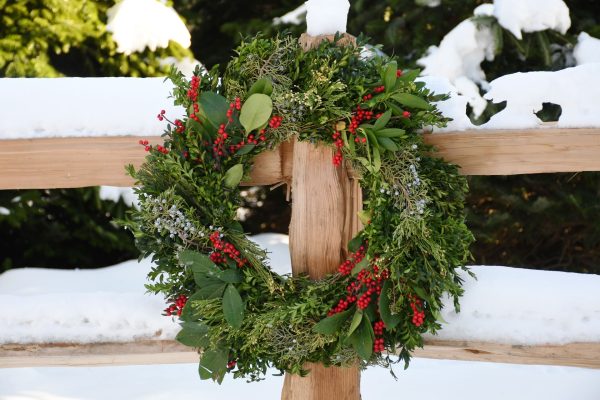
<point>65,228</point>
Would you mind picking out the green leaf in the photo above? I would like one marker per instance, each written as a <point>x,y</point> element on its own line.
<point>234,175</point>
<point>355,243</point>
<point>211,289</point>
<point>410,100</point>
<point>362,339</point>
<point>360,266</point>
<point>256,111</point>
<point>422,294</point>
<point>382,121</point>
<point>389,79</point>
<point>233,307</point>
<point>199,263</point>
<point>387,143</point>
<point>391,132</point>
<point>193,334</point>
<point>376,159</point>
<point>213,364</point>
<point>331,325</point>
<point>213,108</point>
<point>408,76</point>
<point>230,276</point>
<point>364,216</point>
<point>390,320</point>
<point>263,86</point>
<point>245,149</point>
<point>356,320</point>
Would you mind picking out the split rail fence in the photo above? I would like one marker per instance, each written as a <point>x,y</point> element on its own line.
<point>89,161</point>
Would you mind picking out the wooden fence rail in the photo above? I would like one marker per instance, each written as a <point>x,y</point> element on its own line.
<point>80,162</point>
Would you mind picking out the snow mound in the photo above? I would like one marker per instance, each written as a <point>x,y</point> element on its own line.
<point>84,107</point>
<point>326,17</point>
<point>295,17</point>
<point>114,193</point>
<point>532,15</point>
<point>576,90</point>
<point>137,24</point>
<point>587,49</point>
<point>504,304</point>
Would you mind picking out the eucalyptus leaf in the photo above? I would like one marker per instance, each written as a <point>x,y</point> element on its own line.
<point>256,111</point>
<point>233,307</point>
<point>234,175</point>
<point>263,86</point>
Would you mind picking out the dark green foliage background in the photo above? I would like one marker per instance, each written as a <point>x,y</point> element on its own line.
<point>541,221</point>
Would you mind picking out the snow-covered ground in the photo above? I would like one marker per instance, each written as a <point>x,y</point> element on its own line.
<point>110,304</point>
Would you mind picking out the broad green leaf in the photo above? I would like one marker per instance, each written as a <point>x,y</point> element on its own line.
<point>233,307</point>
<point>410,100</point>
<point>263,86</point>
<point>193,334</point>
<point>356,320</point>
<point>245,149</point>
<point>382,121</point>
<point>422,294</point>
<point>364,216</point>
<point>199,263</point>
<point>376,159</point>
<point>389,79</point>
<point>331,325</point>
<point>390,320</point>
<point>396,110</point>
<point>387,143</point>
<point>391,132</point>
<point>213,364</point>
<point>234,175</point>
<point>355,243</point>
<point>408,76</point>
<point>230,276</point>
<point>360,266</point>
<point>211,289</point>
<point>213,107</point>
<point>256,111</point>
<point>362,339</point>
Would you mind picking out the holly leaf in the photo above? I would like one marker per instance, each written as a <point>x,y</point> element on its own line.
<point>213,108</point>
<point>234,175</point>
<point>331,325</point>
<point>389,78</point>
<point>256,111</point>
<point>390,320</point>
<point>263,86</point>
<point>410,100</point>
<point>362,339</point>
<point>382,121</point>
<point>233,307</point>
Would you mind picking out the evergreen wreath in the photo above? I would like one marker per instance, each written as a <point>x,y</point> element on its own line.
<point>231,305</point>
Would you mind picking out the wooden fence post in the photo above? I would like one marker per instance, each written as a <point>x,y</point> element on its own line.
<point>325,202</point>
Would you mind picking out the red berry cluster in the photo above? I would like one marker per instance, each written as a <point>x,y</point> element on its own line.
<point>160,116</point>
<point>275,121</point>
<point>371,280</point>
<point>342,305</point>
<point>231,364</point>
<point>234,105</point>
<point>398,73</point>
<point>180,127</point>
<point>162,149</point>
<point>378,328</point>
<point>406,114</point>
<point>339,143</point>
<point>418,314</point>
<point>358,117</point>
<point>223,249</point>
<point>194,115</point>
<point>177,307</point>
<point>379,89</point>
<point>347,266</point>
<point>219,143</point>
<point>193,90</point>
<point>378,345</point>
<point>144,143</point>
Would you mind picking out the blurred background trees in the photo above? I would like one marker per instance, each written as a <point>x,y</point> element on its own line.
<point>539,221</point>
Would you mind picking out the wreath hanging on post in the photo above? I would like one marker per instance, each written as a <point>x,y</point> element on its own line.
<point>242,315</point>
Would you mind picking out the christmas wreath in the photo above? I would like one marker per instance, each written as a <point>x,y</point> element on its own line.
<point>231,305</point>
